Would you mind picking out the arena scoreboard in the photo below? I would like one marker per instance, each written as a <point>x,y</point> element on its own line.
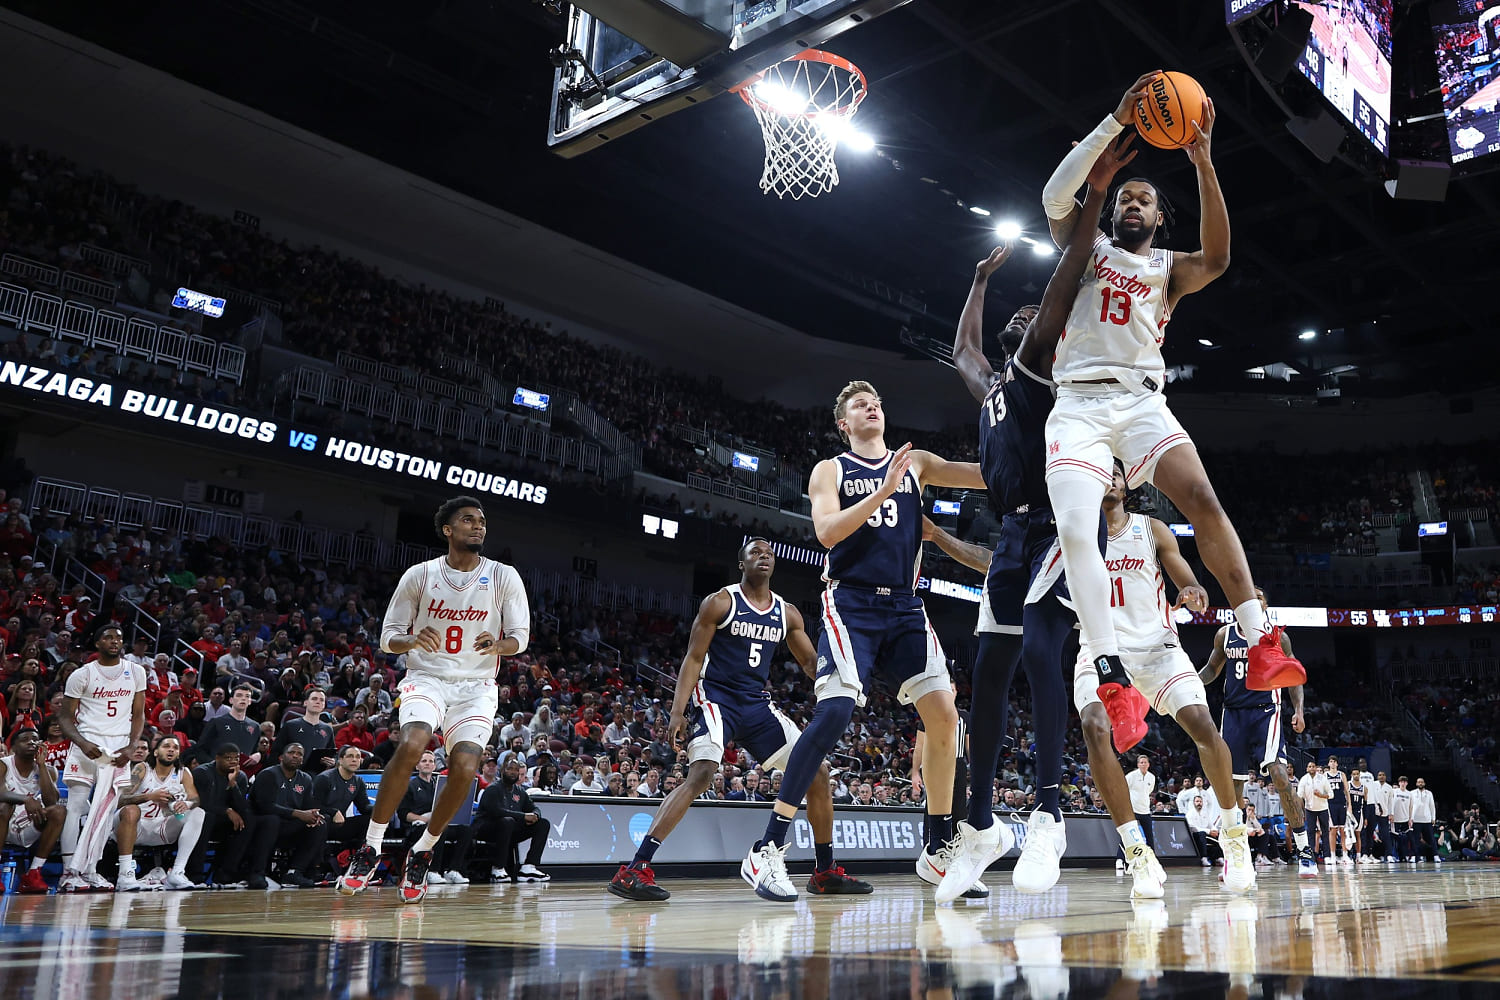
<point>1456,614</point>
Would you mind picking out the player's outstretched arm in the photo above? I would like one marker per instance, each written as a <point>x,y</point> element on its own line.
<point>1216,659</point>
<point>714,609</point>
<point>1192,271</point>
<point>968,344</point>
<point>1063,212</point>
<point>933,470</point>
<point>976,557</point>
<point>1046,329</point>
<point>800,643</point>
<point>1189,592</point>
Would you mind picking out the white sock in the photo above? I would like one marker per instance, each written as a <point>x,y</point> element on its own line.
<point>375,834</point>
<point>1075,505</point>
<point>1233,817</point>
<point>1131,835</point>
<point>426,842</point>
<point>37,863</point>
<point>1300,836</point>
<point>127,864</point>
<point>1251,618</point>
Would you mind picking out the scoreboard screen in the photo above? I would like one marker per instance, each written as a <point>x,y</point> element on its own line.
<point>1471,614</point>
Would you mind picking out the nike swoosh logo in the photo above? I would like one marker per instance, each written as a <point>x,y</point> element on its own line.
<point>754,870</point>
<point>935,868</point>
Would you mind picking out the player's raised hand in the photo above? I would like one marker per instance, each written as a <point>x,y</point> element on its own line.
<point>1115,156</point>
<point>1195,598</point>
<point>895,473</point>
<point>484,642</point>
<point>429,639</point>
<point>1125,113</point>
<point>1198,149</point>
<point>992,263</point>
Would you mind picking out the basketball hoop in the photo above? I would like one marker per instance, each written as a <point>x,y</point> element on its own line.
<point>805,106</point>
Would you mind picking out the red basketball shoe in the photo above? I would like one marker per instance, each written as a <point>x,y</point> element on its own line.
<point>1127,709</point>
<point>1269,667</point>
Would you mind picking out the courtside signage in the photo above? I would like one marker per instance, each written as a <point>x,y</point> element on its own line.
<point>61,387</point>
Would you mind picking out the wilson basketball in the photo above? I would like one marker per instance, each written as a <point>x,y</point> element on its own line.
<point>1165,116</point>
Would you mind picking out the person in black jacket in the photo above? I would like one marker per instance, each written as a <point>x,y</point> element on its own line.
<point>335,789</point>
<point>315,735</point>
<point>506,817</point>
<point>287,815</point>
<point>228,820</point>
<point>236,729</point>
<point>451,855</point>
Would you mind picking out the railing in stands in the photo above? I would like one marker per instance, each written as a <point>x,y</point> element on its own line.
<point>732,490</point>
<point>90,287</point>
<point>69,571</point>
<point>1469,514</point>
<point>601,430</point>
<point>30,270</point>
<point>570,589</point>
<point>107,330</point>
<point>113,262</point>
<point>382,404</point>
<point>305,541</point>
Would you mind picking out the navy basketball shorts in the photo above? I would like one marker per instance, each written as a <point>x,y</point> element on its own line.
<point>1018,556</point>
<point>1254,738</point>
<point>1338,811</point>
<point>869,633</point>
<point>715,716</point>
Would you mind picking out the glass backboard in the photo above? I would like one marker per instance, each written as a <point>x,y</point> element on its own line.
<point>631,62</point>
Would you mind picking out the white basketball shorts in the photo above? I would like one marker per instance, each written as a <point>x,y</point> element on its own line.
<point>463,710</point>
<point>1166,677</point>
<point>1091,426</point>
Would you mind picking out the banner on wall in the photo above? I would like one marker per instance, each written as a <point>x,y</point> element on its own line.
<point>205,420</point>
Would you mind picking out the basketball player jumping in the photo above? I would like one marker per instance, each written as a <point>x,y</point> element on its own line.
<point>160,808</point>
<point>103,713</point>
<point>1012,417</point>
<point>721,695</point>
<point>1139,549</point>
<point>1110,377</point>
<point>867,510</point>
<point>30,813</point>
<point>452,656</point>
<point>1251,726</point>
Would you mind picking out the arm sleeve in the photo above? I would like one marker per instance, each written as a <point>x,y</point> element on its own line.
<point>1057,195</point>
<point>401,613</point>
<point>515,610</point>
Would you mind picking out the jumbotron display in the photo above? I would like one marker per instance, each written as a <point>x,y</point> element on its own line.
<point>1466,40</point>
<point>1348,58</point>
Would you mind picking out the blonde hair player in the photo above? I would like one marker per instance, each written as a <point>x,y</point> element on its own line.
<point>867,511</point>
<point>1110,375</point>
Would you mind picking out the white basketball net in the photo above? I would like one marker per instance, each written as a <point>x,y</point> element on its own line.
<point>804,106</point>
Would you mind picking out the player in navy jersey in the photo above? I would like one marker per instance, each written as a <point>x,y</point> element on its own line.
<point>1338,814</point>
<point>721,695</point>
<point>867,511</point>
<point>1251,726</point>
<point>1014,405</point>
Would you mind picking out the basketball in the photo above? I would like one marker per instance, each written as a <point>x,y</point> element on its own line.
<point>1165,116</point>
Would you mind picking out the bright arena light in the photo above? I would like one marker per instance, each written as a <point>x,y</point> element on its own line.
<point>1008,230</point>
<point>1205,343</point>
<point>1042,249</point>
<point>1308,335</point>
<point>779,97</point>
<point>843,132</point>
<point>979,211</point>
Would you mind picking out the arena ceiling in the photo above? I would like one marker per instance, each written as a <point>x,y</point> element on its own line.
<point>972,104</point>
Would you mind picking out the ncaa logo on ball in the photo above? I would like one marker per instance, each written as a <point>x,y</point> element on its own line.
<point>640,823</point>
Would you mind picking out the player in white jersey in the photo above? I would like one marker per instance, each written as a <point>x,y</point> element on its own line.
<point>30,813</point>
<point>453,617</point>
<point>103,713</point>
<point>1139,548</point>
<point>159,808</point>
<point>1110,375</point>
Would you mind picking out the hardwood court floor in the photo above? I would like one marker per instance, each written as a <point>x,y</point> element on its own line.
<point>1422,931</point>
